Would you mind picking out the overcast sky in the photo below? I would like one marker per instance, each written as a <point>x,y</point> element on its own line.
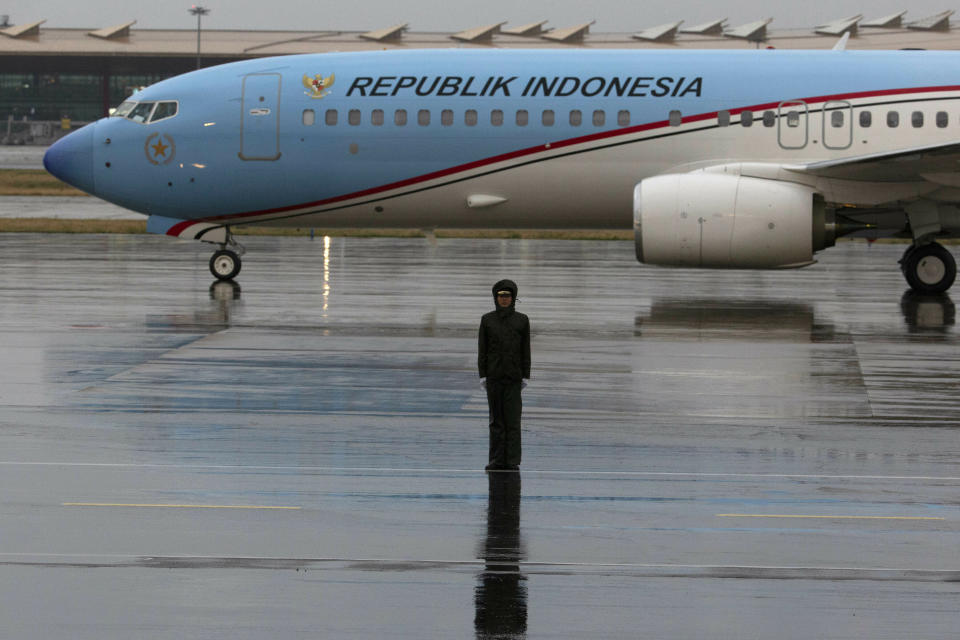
<point>451,15</point>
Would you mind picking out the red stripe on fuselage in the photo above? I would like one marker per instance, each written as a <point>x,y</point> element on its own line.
<point>178,228</point>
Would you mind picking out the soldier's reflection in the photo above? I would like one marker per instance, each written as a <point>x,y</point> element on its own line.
<point>501,594</point>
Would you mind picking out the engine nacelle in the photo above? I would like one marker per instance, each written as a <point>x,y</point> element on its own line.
<point>721,220</point>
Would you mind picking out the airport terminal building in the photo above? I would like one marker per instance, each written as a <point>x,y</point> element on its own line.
<point>80,74</point>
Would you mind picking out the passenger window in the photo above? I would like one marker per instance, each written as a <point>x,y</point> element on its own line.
<point>423,117</point>
<point>623,118</point>
<point>916,119</point>
<point>163,111</point>
<point>353,117</point>
<point>548,118</point>
<point>446,117</point>
<point>599,118</point>
<point>676,119</point>
<point>746,118</point>
<point>723,118</point>
<point>141,112</point>
<point>893,119</point>
<point>470,117</point>
<point>330,118</point>
<point>793,119</point>
<point>836,119</point>
<point>400,117</point>
<point>308,117</point>
<point>942,119</point>
<point>866,119</point>
<point>769,118</point>
<point>376,117</point>
<point>576,118</point>
<point>496,117</point>
<point>522,117</point>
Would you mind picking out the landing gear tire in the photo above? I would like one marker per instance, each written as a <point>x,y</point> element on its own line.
<point>225,264</point>
<point>929,268</point>
<point>906,254</point>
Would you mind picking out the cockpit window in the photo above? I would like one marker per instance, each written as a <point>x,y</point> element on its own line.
<point>163,111</point>
<point>141,112</point>
<point>144,112</point>
<point>125,108</point>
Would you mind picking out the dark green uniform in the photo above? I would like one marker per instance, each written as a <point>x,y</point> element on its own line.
<point>504,361</point>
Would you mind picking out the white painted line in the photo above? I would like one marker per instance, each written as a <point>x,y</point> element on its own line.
<point>174,506</point>
<point>637,474</point>
<point>465,562</point>
<point>822,517</point>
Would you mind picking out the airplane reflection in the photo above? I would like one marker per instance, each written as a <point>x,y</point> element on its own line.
<point>225,290</point>
<point>927,313</point>
<point>225,299</point>
<point>721,318</point>
<point>500,597</point>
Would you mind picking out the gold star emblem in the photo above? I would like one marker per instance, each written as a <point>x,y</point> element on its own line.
<point>159,149</point>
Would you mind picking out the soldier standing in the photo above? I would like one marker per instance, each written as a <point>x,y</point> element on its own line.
<point>504,360</point>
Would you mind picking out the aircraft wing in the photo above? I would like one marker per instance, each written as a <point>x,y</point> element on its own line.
<point>935,163</point>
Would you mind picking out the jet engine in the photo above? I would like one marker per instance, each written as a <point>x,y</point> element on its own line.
<point>722,220</point>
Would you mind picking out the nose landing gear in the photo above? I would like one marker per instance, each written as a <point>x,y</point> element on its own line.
<point>225,263</point>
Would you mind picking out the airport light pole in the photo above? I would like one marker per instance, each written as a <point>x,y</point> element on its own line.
<point>198,11</point>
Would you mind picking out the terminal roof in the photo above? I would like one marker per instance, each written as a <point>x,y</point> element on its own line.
<point>127,41</point>
<point>752,31</point>
<point>527,30</point>
<point>714,28</point>
<point>841,26</point>
<point>939,22</point>
<point>20,31</point>
<point>390,33</point>
<point>479,33</point>
<point>893,21</point>
<point>117,31</point>
<point>570,34</point>
<point>662,33</point>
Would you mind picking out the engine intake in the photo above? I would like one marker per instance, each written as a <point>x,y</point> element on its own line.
<point>720,220</point>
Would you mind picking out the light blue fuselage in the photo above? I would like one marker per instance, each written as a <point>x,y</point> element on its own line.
<point>250,141</point>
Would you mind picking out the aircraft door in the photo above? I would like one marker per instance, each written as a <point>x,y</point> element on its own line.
<point>837,124</point>
<point>792,130</point>
<point>260,118</point>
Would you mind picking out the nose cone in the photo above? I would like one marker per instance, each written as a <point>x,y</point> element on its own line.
<point>71,159</point>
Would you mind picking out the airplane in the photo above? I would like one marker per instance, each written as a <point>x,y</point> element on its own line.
<point>716,159</point>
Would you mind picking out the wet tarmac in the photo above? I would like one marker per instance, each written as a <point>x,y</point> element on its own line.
<point>706,454</point>
<point>58,207</point>
<point>64,208</point>
<point>22,156</point>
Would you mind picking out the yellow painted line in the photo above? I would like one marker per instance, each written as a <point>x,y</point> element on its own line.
<point>173,506</point>
<point>764,515</point>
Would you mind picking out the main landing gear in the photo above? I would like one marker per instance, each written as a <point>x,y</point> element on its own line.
<point>225,263</point>
<point>928,268</point>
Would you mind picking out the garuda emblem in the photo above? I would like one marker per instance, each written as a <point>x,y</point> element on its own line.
<point>317,85</point>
